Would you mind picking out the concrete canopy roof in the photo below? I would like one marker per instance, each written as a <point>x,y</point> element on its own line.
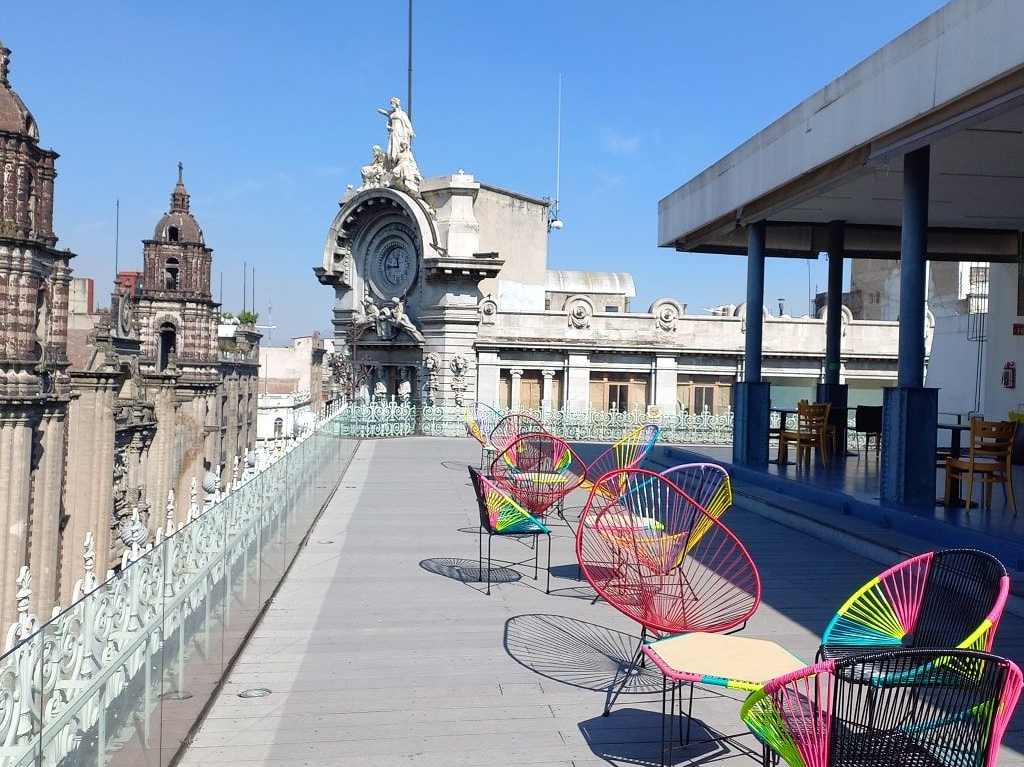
<point>954,81</point>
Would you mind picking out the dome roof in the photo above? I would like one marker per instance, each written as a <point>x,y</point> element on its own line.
<point>178,224</point>
<point>14,115</point>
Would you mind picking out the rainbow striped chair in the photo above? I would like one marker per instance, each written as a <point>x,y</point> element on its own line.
<point>480,422</point>
<point>708,485</point>
<point>626,453</point>
<point>952,598</point>
<point>901,708</point>
<point>500,515</point>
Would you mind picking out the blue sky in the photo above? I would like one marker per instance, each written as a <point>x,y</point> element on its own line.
<point>271,106</point>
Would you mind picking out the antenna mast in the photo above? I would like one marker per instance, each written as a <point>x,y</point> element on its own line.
<point>408,97</point>
<point>554,222</point>
<point>117,234</point>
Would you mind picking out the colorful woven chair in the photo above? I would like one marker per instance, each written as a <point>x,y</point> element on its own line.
<point>500,515</point>
<point>656,555</point>
<point>480,422</point>
<point>626,453</point>
<point>511,427</point>
<point>707,483</point>
<point>538,470</point>
<point>952,598</point>
<point>903,708</point>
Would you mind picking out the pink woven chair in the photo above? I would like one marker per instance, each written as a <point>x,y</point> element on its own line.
<point>656,555</point>
<point>538,470</point>
<point>511,427</point>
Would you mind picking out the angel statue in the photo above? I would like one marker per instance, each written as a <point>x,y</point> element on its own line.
<point>373,174</point>
<point>400,132</point>
<point>401,320</point>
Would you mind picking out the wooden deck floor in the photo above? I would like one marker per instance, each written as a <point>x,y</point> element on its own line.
<point>381,648</point>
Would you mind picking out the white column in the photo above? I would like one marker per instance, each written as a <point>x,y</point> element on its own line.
<point>665,377</point>
<point>577,383</point>
<point>548,391</point>
<point>488,376</point>
<point>517,376</point>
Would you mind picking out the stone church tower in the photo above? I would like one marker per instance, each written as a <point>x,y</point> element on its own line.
<point>178,326</point>
<point>34,285</point>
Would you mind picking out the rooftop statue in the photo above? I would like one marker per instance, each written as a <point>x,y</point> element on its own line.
<point>395,167</point>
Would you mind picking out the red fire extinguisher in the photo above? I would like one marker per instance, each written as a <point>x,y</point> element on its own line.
<point>1010,375</point>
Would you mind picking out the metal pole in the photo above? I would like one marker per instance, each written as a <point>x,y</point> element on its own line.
<point>834,302</point>
<point>117,235</point>
<point>755,301</point>
<point>913,254</point>
<point>408,105</point>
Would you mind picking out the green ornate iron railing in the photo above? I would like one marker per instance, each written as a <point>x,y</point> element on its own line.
<point>393,419</point>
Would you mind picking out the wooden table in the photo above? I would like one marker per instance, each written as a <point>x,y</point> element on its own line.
<point>725,660</point>
<point>780,459</point>
<point>955,451</point>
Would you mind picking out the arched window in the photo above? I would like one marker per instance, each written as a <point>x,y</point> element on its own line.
<point>278,428</point>
<point>171,273</point>
<point>172,233</point>
<point>168,345</point>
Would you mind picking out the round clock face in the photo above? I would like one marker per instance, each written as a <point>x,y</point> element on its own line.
<point>391,260</point>
<point>126,316</point>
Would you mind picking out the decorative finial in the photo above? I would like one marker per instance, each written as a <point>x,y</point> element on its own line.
<point>169,521</point>
<point>5,63</point>
<point>179,197</point>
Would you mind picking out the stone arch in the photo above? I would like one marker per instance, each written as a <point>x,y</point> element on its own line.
<point>337,247</point>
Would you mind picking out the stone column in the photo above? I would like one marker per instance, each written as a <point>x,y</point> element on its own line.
<point>15,492</point>
<point>665,383</point>
<point>48,509</point>
<point>488,377</point>
<point>89,484</point>
<point>517,380</point>
<point>577,383</point>
<point>548,391</point>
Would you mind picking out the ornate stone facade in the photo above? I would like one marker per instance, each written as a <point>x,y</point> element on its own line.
<point>34,385</point>
<point>466,264</point>
<point>404,258</point>
<point>100,424</point>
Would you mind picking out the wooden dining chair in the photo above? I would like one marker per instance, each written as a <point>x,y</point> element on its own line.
<point>812,431</point>
<point>989,457</point>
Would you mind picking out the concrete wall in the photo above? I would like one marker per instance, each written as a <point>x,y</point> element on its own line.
<point>516,228</point>
<point>1003,346</point>
<point>962,46</point>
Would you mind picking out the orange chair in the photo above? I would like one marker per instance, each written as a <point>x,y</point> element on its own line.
<point>990,458</point>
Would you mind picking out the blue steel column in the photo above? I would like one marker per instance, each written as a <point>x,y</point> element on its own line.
<point>755,302</point>
<point>911,411</point>
<point>913,251</point>
<point>752,395</point>
<point>831,390</point>
<point>834,304</point>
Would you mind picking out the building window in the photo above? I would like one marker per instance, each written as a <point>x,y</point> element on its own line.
<point>618,391</point>
<point>611,308</point>
<point>168,346</point>
<point>278,428</point>
<point>703,399</point>
<point>699,394</point>
<point>171,273</point>
<point>172,233</point>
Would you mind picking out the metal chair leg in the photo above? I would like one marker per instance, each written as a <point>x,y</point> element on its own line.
<point>489,536</point>
<point>547,589</point>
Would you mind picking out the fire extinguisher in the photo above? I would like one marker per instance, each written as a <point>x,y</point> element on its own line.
<point>1010,375</point>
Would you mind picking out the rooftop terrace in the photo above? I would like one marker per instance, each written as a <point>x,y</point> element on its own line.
<point>381,648</point>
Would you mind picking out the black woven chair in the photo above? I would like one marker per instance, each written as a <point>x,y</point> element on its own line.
<point>949,598</point>
<point>904,708</point>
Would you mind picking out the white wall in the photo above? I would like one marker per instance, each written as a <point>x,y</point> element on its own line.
<point>953,364</point>
<point>1003,346</point>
